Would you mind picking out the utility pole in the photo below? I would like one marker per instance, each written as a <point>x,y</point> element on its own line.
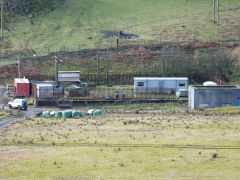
<point>98,76</point>
<point>167,54</point>
<point>172,74</point>
<point>214,11</point>
<point>163,67</point>
<point>107,67</point>
<point>19,75</point>
<point>56,68</point>
<point>2,28</point>
<point>218,12</point>
<point>1,19</point>
<point>2,53</point>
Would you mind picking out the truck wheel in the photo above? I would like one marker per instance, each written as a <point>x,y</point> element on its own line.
<point>19,108</point>
<point>10,107</point>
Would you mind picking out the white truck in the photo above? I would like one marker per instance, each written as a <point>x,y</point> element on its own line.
<point>18,104</point>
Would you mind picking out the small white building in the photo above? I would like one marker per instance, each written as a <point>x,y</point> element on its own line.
<point>44,91</point>
<point>213,96</point>
<point>69,76</point>
<point>164,85</point>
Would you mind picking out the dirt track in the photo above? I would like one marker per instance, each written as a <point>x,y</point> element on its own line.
<point>31,112</point>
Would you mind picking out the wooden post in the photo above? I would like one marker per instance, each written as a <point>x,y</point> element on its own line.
<point>117,42</point>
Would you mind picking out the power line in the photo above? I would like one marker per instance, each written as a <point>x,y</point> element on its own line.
<point>19,74</point>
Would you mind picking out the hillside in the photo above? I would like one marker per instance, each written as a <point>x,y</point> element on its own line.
<point>85,23</point>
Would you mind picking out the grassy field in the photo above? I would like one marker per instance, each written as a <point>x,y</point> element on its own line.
<point>7,114</point>
<point>170,142</point>
<point>3,115</point>
<point>80,22</point>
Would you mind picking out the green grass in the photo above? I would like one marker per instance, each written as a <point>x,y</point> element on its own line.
<point>7,114</point>
<point>76,21</point>
<point>226,110</point>
<point>3,115</point>
<point>8,61</point>
<point>162,145</point>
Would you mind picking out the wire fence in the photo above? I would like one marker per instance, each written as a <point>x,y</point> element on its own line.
<point>121,93</point>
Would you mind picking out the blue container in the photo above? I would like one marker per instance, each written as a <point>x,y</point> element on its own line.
<point>46,114</point>
<point>67,114</point>
<point>58,114</point>
<point>97,112</point>
<point>238,102</point>
<point>77,114</point>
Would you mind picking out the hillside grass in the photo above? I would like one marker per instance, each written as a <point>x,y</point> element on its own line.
<point>78,23</point>
<point>113,146</point>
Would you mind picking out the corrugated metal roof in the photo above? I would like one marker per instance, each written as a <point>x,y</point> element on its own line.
<point>162,78</point>
<point>21,80</point>
<point>69,76</point>
<point>68,71</point>
<point>217,87</point>
<point>44,85</point>
<point>42,82</point>
<point>68,79</point>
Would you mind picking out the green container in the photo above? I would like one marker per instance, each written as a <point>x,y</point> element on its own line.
<point>77,114</point>
<point>97,112</point>
<point>67,114</point>
<point>46,114</point>
<point>90,111</point>
<point>52,113</point>
<point>58,114</point>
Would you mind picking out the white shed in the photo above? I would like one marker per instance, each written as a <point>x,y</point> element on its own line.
<point>165,85</point>
<point>69,76</point>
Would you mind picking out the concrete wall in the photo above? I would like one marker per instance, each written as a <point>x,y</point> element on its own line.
<point>215,97</point>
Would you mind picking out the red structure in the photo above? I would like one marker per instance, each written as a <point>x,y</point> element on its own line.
<point>21,87</point>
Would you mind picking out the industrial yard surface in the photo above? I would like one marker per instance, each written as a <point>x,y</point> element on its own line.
<point>164,141</point>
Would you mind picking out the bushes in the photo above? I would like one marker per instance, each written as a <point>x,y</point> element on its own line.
<point>25,7</point>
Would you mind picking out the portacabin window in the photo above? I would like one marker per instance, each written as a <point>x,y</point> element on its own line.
<point>140,84</point>
<point>181,84</point>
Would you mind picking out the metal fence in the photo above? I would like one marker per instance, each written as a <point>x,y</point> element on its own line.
<point>115,93</point>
